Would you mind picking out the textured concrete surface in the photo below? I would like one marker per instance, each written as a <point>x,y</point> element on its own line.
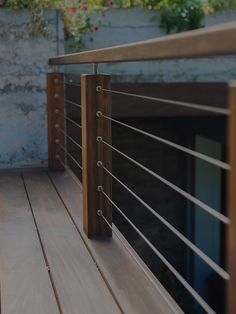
<point>124,26</point>
<point>23,64</point>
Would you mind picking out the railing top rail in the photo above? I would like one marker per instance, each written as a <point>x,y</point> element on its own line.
<point>210,41</point>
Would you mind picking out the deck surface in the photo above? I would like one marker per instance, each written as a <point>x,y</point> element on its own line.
<point>47,265</point>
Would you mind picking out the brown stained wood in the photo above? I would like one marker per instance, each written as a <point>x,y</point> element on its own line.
<point>25,284</point>
<point>231,239</point>
<point>78,282</point>
<point>210,94</point>
<point>211,41</point>
<point>93,151</point>
<point>133,291</point>
<point>55,94</point>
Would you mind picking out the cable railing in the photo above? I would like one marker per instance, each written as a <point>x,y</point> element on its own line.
<point>98,148</point>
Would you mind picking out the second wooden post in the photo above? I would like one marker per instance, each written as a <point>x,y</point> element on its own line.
<point>95,103</point>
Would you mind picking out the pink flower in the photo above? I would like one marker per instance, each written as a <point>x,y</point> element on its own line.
<point>94,29</point>
<point>79,1</point>
<point>84,8</point>
<point>73,11</point>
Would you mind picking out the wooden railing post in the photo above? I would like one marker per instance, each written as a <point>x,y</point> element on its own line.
<point>94,100</point>
<point>231,238</point>
<point>55,94</point>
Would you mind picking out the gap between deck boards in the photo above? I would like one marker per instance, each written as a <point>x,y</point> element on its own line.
<point>100,298</point>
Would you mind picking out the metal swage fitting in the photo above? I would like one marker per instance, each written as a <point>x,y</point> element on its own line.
<point>99,139</point>
<point>100,213</point>
<point>99,114</point>
<point>100,188</point>
<point>99,163</point>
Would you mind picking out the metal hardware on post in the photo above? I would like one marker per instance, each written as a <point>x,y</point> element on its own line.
<point>99,138</point>
<point>95,103</point>
<point>99,114</point>
<point>99,163</point>
<point>98,88</point>
<point>100,213</point>
<point>100,188</point>
<point>55,90</point>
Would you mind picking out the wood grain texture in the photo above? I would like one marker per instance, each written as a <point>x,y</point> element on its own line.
<point>93,151</point>
<point>231,236</point>
<point>134,292</point>
<point>25,284</point>
<point>211,41</point>
<point>55,94</point>
<point>78,282</point>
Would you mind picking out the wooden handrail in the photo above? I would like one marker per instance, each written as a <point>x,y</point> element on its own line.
<point>211,41</point>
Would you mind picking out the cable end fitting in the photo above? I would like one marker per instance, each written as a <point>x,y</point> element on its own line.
<point>99,114</point>
<point>99,88</point>
<point>100,213</point>
<point>100,188</point>
<point>99,139</point>
<point>99,163</point>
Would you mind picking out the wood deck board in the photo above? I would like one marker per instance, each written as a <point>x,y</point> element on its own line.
<point>25,284</point>
<point>134,292</point>
<point>79,285</point>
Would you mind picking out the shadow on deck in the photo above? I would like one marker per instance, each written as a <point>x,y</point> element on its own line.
<point>47,265</point>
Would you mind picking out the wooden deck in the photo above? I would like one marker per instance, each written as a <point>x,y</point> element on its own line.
<point>47,265</point>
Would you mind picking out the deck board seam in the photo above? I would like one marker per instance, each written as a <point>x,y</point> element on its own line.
<point>87,247</point>
<point>42,247</point>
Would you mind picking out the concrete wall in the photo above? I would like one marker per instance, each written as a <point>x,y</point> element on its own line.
<point>23,66</point>
<point>124,26</point>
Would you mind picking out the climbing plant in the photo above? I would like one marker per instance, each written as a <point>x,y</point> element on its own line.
<point>83,16</point>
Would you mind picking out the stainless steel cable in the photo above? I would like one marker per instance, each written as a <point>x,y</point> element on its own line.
<point>188,196</point>
<point>72,103</point>
<point>153,282</point>
<point>217,110</point>
<point>70,172</point>
<point>195,295</point>
<point>70,120</point>
<point>191,245</point>
<point>208,159</point>
<point>73,84</point>
<point>70,138</point>
<point>66,152</point>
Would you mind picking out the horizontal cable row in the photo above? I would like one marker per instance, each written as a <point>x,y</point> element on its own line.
<point>73,103</point>
<point>69,171</point>
<point>195,295</point>
<point>216,110</point>
<point>194,153</point>
<point>68,154</point>
<point>69,120</point>
<point>188,196</point>
<point>192,246</point>
<point>156,286</point>
<point>70,138</point>
<point>71,83</point>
